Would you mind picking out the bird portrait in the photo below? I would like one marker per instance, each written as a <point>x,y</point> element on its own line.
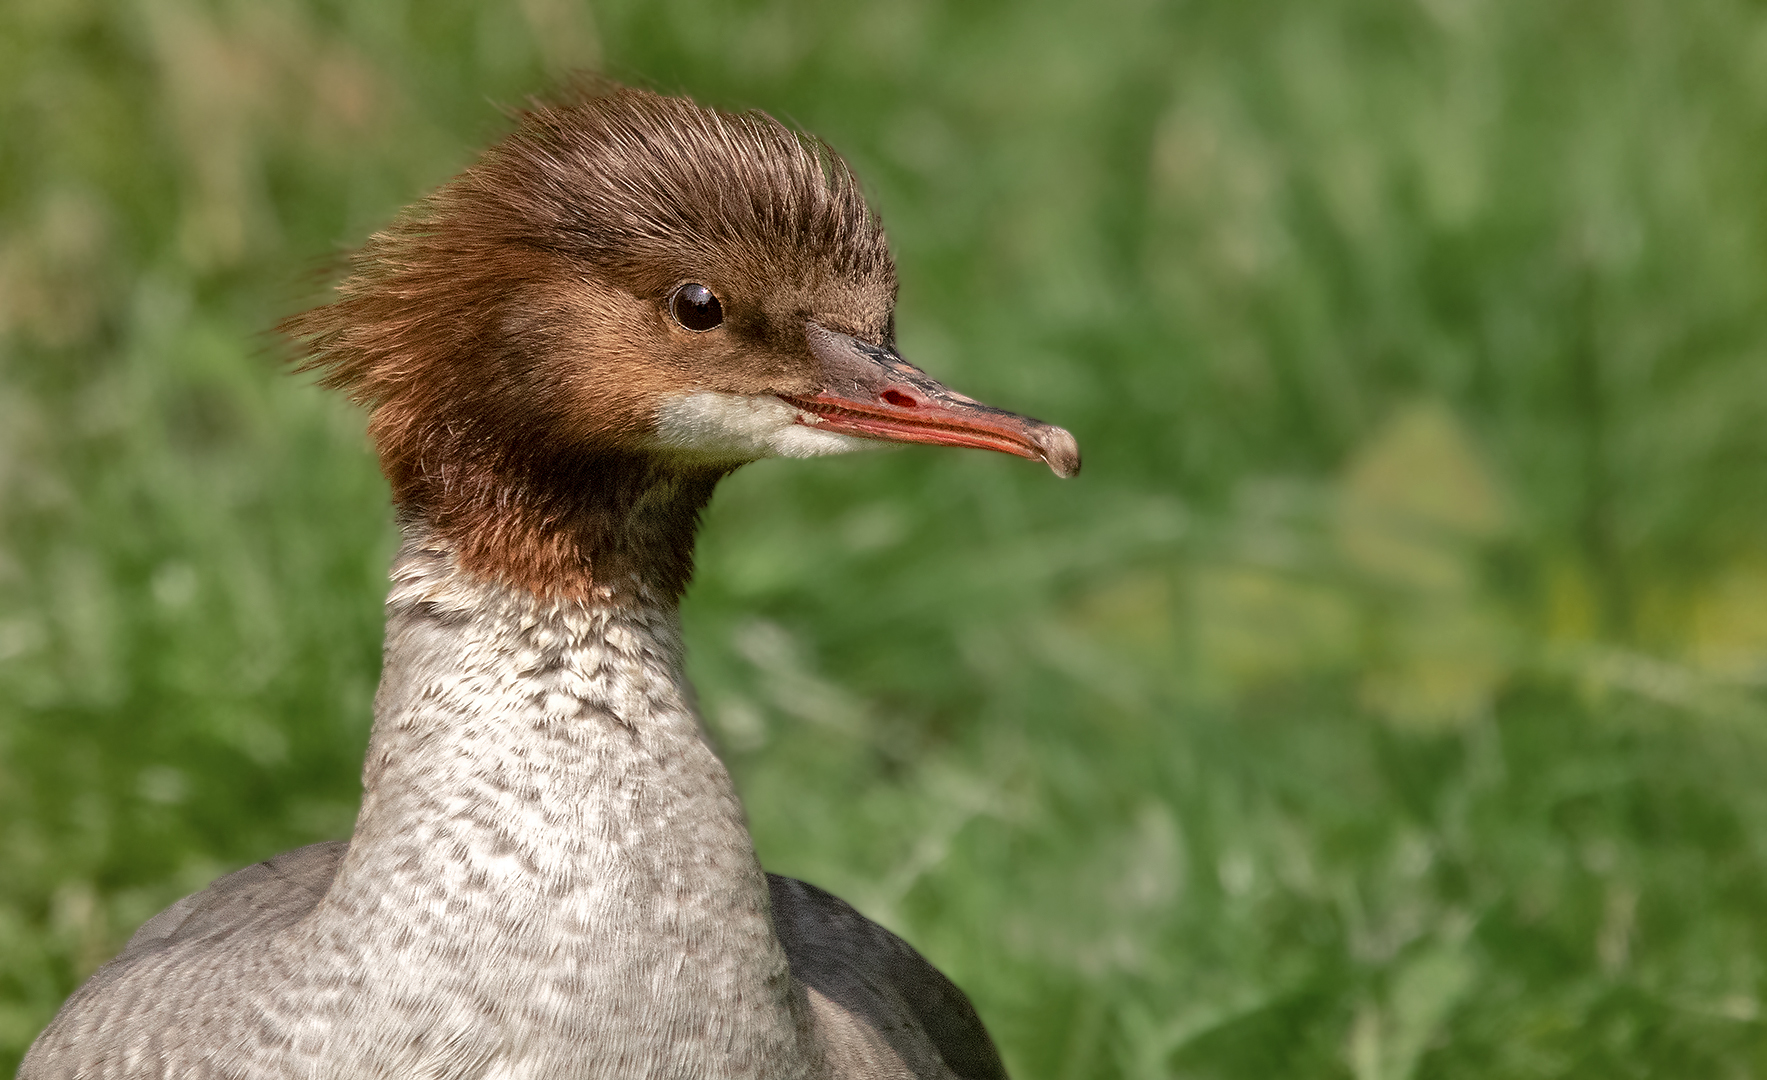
<point>562,351</point>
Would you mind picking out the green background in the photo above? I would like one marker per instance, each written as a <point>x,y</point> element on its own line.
<point>1385,699</point>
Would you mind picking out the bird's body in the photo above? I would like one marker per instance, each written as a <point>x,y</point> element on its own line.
<point>551,876</point>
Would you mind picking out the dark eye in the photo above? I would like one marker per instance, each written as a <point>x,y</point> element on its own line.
<point>694,307</point>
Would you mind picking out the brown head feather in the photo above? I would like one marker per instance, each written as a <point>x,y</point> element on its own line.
<point>511,337</point>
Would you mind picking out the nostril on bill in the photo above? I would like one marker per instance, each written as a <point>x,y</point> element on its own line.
<point>900,400</point>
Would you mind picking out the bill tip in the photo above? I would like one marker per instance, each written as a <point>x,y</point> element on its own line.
<point>1060,451</point>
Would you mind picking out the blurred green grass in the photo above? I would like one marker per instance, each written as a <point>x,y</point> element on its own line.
<point>1386,698</point>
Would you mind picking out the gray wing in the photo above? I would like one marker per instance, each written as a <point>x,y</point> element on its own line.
<point>254,902</point>
<point>876,977</point>
<point>261,899</point>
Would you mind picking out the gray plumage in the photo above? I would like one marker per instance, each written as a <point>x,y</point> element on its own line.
<point>550,877</point>
<point>903,1016</point>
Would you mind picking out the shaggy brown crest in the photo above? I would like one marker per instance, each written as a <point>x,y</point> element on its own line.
<point>510,333</point>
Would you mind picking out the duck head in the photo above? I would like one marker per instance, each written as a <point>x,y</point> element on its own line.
<point>564,348</point>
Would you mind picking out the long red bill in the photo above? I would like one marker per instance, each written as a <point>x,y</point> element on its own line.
<point>872,393</point>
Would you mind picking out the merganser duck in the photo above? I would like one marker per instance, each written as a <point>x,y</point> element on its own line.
<point>563,350</point>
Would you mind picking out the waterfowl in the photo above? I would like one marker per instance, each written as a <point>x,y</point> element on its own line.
<point>562,351</point>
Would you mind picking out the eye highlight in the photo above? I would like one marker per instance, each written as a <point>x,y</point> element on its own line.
<point>695,307</point>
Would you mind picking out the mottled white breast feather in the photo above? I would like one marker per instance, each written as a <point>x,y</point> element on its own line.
<point>537,790</point>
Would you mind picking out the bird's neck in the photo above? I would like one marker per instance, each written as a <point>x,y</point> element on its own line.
<point>596,526</point>
<point>545,830</point>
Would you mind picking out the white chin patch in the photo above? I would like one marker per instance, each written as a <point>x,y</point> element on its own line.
<point>710,426</point>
